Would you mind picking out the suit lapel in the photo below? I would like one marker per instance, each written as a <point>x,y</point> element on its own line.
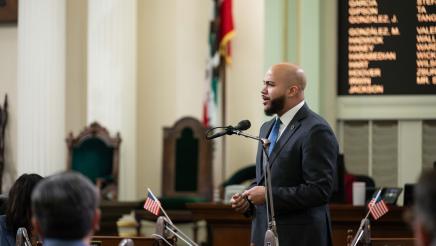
<point>286,135</point>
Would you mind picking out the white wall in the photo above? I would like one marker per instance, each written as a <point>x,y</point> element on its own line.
<point>8,85</point>
<point>244,81</point>
<point>173,50</point>
<point>76,66</point>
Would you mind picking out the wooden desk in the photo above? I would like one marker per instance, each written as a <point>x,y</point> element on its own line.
<point>227,227</point>
<point>392,241</point>
<point>111,211</point>
<point>345,217</point>
<point>114,241</point>
<point>176,216</point>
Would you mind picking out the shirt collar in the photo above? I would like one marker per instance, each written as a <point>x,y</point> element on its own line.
<point>287,117</point>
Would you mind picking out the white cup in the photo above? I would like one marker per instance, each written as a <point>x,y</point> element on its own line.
<point>359,189</point>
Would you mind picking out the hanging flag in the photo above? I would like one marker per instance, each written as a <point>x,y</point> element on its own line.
<point>210,103</point>
<point>226,30</point>
<point>377,207</point>
<point>152,204</point>
<point>221,31</point>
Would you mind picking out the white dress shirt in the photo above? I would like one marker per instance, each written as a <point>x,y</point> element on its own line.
<point>287,117</point>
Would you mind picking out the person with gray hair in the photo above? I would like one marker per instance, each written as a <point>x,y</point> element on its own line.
<point>424,224</point>
<point>65,210</point>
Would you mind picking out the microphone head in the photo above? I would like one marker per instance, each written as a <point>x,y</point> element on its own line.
<point>243,125</point>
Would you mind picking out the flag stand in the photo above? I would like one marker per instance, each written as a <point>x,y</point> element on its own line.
<point>160,206</point>
<point>364,230</point>
<point>167,221</point>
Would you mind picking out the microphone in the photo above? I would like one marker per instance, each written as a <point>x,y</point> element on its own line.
<point>229,130</point>
<point>243,125</point>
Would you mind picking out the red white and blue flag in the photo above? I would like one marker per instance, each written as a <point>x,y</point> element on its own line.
<point>221,32</point>
<point>152,204</point>
<point>377,207</point>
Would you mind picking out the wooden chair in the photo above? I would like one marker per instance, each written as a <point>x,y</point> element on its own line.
<point>96,154</point>
<point>187,164</point>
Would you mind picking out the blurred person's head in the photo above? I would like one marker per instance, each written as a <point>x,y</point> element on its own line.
<point>65,207</point>
<point>424,225</point>
<point>18,208</point>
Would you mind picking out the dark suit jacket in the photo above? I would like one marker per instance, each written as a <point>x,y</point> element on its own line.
<point>303,166</point>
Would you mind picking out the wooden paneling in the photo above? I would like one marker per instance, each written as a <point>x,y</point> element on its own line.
<point>227,227</point>
<point>114,241</point>
<point>392,242</point>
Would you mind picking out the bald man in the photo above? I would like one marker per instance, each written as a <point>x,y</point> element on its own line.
<point>303,153</point>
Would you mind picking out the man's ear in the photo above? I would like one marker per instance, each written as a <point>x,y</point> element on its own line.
<point>293,90</point>
<point>96,220</point>
<point>421,235</point>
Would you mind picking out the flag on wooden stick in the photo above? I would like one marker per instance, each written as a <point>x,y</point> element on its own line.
<point>152,204</point>
<point>377,207</point>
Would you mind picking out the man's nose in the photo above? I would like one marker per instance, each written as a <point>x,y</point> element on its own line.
<point>264,90</point>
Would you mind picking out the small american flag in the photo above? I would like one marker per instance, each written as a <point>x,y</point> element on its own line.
<point>152,204</point>
<point>377,207</point>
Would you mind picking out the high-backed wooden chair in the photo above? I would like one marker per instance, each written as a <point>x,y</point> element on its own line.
<point>187,164</point>
<point>96,154</point>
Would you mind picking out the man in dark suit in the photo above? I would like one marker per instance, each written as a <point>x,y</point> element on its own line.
<point>303,153</point>
<point>424,223</point>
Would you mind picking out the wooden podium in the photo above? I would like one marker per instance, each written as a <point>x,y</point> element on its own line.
<point>226,227</point>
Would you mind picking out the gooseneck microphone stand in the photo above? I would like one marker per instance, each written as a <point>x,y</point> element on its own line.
<point>22,238</point>
<point>164,223</point>
<point>364,232</point>
<point>271,236</point>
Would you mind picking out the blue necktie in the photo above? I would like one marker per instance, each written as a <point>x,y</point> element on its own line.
<point>274,135</point>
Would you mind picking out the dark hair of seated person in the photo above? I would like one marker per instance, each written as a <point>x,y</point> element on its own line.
<point>65,206</point>
<point>18,208</point>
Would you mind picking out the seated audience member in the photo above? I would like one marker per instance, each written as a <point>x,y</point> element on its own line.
<point>18,209</point>
<point>65,210</point>
<point>424,225</point>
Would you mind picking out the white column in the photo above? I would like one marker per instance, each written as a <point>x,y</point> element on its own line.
<point>112,80</point>
<point>41,87</point>
<point>310,42</point>
<point>409,152</point>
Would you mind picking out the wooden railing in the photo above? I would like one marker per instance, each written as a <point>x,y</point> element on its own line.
<point>114,241</point>
<point>392,241</point>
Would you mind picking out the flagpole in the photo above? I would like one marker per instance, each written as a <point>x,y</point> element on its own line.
<point>223,116</point>
<point>163,210</point>
<point>372,205</point>
<point>171,223</point>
